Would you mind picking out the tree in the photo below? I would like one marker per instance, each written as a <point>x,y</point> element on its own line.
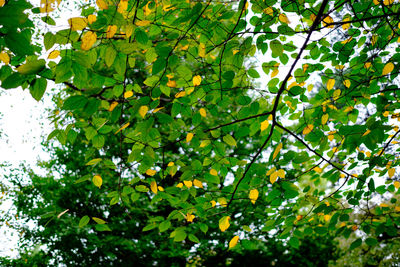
<point>170,85</point>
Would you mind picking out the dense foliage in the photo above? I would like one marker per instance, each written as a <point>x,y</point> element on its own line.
<point>187,145</point>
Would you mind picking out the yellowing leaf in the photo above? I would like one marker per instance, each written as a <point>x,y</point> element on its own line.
<point>324,119</point>
<point>269,11</point>
<point>327,20</point>
<point>213,172</point>
<point>202,50</point>
<point>396,184</point>
<point>153,187</point>
<point>383,205</point>
<point>171,83</point>
<point>112,106</point>
<point>213,203</point>
<point>308,129</point>
<point>53,54</point>
<point>283,18</point>
<point>128,94</point>
<point>264,125</point>
<point>188,184</point>
<point>5,58</point>
<point>197,183</point>
<point>99,221</point>
<point>77,24</point>
<point>91,18</point>
<point>190,217</point>
<point>391,172</point>
<point>97,181</point>
<point>330,137</point>
<point>281,173</point>
<point>102,4</point>
<point>366,132</point>
<point>389,67</point>
<point>160,188</point>
<point>327,217</point>
<point>388,2</point>
<point>185,47</point>
<point>253,195</point>
<point>157,109</point>
<point>88,40</point>
<point>170,164</point>
<point>122,127</point>
<point>122,7</point>
<point>143,23</point>
<point>273,177</point>
<point>180,185</point>
<point>274,73</point>
<point>277,149</point>
<point>189,137</point>
<point>143,111</point>
<point>229,140</point>
<point>347,83</point>
<point>222,201</point>
<point>147,10</point>
<point>346,26</point>
<point>317,169</point>
<point>196,80</point>
<point>203,112</point>
<point>2,2</point>
<point>330,84</point>
<point>224,223</point>
<point>233,241</point>
<point>151,172</point>
<point>111,30</point>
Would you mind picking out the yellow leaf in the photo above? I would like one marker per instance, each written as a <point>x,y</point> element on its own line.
<point>253,195</point>
<point>153,187</point>
<point>388,68</point>
<point>202,50</point>
<point>274,73</point>
<point>327,217</point>
<point>336,94</point>
<point>204,143</point>
<point>91,18</point>
<point>88,40</point>
<point>327,20</point>
<point>330,84</point>
<point>203,112</point>
<point>171,83</point>
<point>233,241</point>
<point>143,23</point>
<point>185,47</point>
<point>383,205</point>
<point>197,183</point>
<point>397,208</point>
<point>157,109</point>
<point>102,4</point>
<point>151,172</point>
<point>180,185</point>
<point>281,173</point>
<point>277,149</point>
<point>97,181</point>
<point>170,164</point>
<point>46,6</point>
<point>308,129</point>
<point>53,54</point>
<point>2,2</point>
<point>77,24</point>
<point>269,11</point>
<point>213,203</point>
<point>160,188</point>
<point>396,184</point>
<point>271,171</point>
<point>122,7</point>
<point>346,26</point>
<point>347,83</point>
<point>190,217</point>
<point>213,172</point>
<point>147,10</point>
<point>224,223</point>
<point>324,119</point>
<point>385,114</point>
<point>366,132</point>
<point>5,58</point>
<point>330,137</point>
<point>143,111</point>
<point>196,80</point>
<point>128,94</point>
<point>111,30</point>
<point>264,125</point>
<point>273,177</point>
<point>188,184</point>
<point>283,18</point>
<point>388,2</point>
<point>122,127</point>
<point>189,137</point>
<point>391,172</point>
<point>180,94</point>
<point>113,105</point>
<point>317,169</point>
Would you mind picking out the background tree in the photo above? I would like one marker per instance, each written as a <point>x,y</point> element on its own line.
<point>167,84</point>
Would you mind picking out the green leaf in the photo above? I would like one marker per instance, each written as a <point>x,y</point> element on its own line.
<point>193,238</point>
<point>31,67</point>
<point>38,88</point>
<point>356,243</point>
<point>83,221</point>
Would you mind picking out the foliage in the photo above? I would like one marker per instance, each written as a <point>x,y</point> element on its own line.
<point>170,85</point>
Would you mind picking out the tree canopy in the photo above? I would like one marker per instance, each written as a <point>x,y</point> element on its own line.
<point>216,121</point>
